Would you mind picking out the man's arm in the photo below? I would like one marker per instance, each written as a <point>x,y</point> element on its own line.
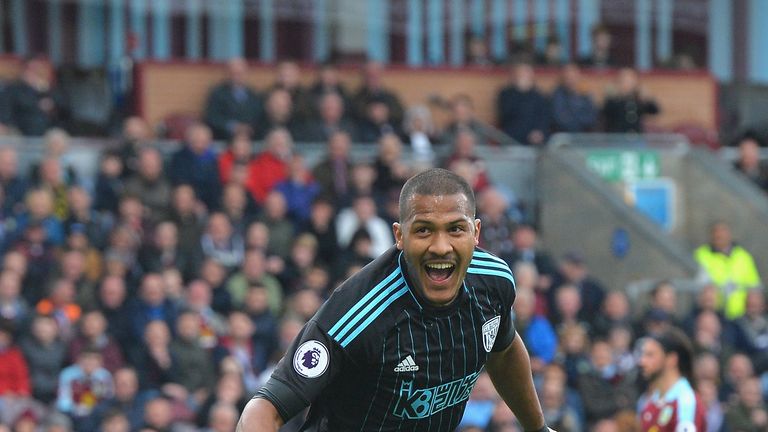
<point>259,415</point>
<point>510,371</point>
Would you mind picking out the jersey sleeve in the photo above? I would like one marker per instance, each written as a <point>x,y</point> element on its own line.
<point>501,278</point>
<point>312,362</point>
<point>686,412</point>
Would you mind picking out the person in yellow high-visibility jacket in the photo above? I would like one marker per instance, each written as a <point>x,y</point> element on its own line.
<point>730,267</point>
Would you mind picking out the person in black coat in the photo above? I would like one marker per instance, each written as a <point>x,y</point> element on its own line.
<point>624,111</point>
<point>233,106</point>
<point>32,105</point>
<point>522,111</point>
<point>196,164</point>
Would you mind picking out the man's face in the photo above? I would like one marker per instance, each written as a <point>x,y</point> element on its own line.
<point>438,238</point>
<point>652,359</point>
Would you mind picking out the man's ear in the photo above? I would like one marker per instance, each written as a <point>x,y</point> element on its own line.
<point>397,230</point>
<point>477,231</point>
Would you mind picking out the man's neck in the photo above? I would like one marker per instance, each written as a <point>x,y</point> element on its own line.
<point>666,381</point>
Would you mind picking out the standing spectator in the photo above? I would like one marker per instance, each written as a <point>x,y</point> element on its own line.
<point>373,88</point>
<point>45,354</point>
<point>32,102</point>
<point>82,387</point>
<point>233,106</point>
<point>729,266</point>
<point>333,172</point>
<point>625,110</point>
<point>462,117</point>
<point>749,163</point>
<point>14,374</point>
<point>572,109</point>
<point>522,111</point>
<point>13,185</point>
<point>328,81</point>
<point>271,166</point>
<point>288,78</point>
<point>150,185</point>
<point>93,335</point>
<point>195,164</point>
<point>601,56</point>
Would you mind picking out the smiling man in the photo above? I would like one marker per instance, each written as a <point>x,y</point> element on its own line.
<point>400,345</point>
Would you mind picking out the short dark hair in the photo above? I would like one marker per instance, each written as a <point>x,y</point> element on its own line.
<point>433,182</point>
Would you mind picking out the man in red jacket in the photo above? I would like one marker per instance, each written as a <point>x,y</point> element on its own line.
<point>14,375</point>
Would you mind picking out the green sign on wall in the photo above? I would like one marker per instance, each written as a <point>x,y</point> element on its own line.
<point>624,165</point>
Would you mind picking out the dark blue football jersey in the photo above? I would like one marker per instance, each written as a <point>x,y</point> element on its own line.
<point>377,357</point>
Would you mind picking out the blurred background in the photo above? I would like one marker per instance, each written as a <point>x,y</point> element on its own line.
<point>184,182</point>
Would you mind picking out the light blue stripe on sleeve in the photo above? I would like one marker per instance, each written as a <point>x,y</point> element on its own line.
<point>362,301</point>
<point>479,254</point>
<point>373,316</point>
<point>356,319</point>
<point>505,275</point>
<point>494,264</point>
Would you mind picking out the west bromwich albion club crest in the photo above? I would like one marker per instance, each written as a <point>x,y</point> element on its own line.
<point>490,330</point>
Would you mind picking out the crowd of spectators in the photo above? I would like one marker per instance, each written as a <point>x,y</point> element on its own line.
<point>159,295</point>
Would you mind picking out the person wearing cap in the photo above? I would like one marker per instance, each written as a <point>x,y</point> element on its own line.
<point>671,405</point>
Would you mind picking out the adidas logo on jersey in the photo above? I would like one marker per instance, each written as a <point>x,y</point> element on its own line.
<point>407,365</point>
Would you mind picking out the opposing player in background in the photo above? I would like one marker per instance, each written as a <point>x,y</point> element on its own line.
<point>666,362</point>
<point>400,344</point>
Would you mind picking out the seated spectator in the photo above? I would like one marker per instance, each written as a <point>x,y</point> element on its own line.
<point>333,172</point>
<point>574,271</point>
<point>715,409</point>
<point>60,304</point>
<point>708,336</point>
<point>568,308</point>
<point>279,113</point>
<point>109,183</point>
<point>40,257</point>
<point>463,117</point>
<point>40,206</point>
<point>163,251</point>
<point>498,225</point>
<point>239,207</point>
<point>464,149</point>
<point>152,357</point>
<point>161,414</point>
<point>737,371</point>
<point>83,217</point>
<point>150,184</point>
<point>93,336</point>
<point>419,133</point>
<point>150,305</point>
<point>574,351</point>
<point>522,111</point>
<point>256,305</point>
<point>748,412</point>
<point>229,390</point>
<point>729,266</point>
<point>527,248</point>
<point>14,375</point>
<point>320,224</point>
<point>625,109</point>
<point>330,118</point>
<point>127,399</point>
<point>72,268</point>
<point>45,354</point>
<point>376,122</point>
<point>13,307</point>
<point>195,164</point>
<point>82,387</point>
<point>33,104</point>
<point>663,297</point>
<point>199,299</point>
<point>373,88</point>
<point>615,312</point>
<point>299,190</point>
<point>253,271</point>
<point>13,185</point>
<point>552,56</point>
<point>193,367</point>
<point>601,56</point>
<point>751,330</point>
<point>233,106</point>
<point>239,153</point>
<point>557,413</point>
<point>271,166</point>
<point>223,417</point>
<point>480,405</point>
<point>288,78</point>
<point>274,215</point>
<point>215,275</point>
<point>603,389</point>
<point>391,168</point>
<point>189,218</point>
<point>363,214</point>
<point>112,303</point>
<point>135,135</point>
<point>220,243</point>
<point>749,163</point>
<point>537,332</point>
<point>572,109</point>
<point>328,81</point>
<point>241,346</point>
<point>299,263</point>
